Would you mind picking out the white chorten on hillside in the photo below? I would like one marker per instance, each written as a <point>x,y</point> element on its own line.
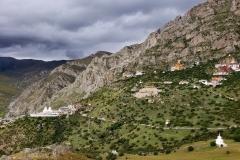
<point>45,110</point>
<point>167,121</point>
<point>219,141</point>
<point>49,110</point>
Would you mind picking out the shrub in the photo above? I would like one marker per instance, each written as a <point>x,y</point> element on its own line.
<point>121,154</point>
<point>236,138</point>
<point>111,156</point>
<point>168,151</point>
<point>213,143</point>
<point>190,148</point>
<point>99,158</point>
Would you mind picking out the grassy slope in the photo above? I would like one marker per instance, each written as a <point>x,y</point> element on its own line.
<point>202,150</point>
<point>186,107</point>
<point>32,133</point>
<point>8,89</point>
<point>182,104</point>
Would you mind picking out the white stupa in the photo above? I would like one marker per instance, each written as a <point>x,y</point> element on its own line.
<point>50,109</point>
<point>219,141</point>
<point>167,121</point>
<point>47,110</point>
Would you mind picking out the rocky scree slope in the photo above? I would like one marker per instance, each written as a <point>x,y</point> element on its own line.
<point>207,31</point>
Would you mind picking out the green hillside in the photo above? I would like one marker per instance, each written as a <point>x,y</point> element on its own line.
<point>149,116</point>
<point>183,104</point>
<point>8,88</point>
<point>133,125</point>
<point>202,150</point>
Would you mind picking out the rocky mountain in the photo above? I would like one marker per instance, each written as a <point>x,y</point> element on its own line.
<point>41,91</point>
<point>206,32</point>
<point>142,115</point>
<point>15,75</point>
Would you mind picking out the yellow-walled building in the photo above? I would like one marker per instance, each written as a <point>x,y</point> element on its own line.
<point>178,66</point>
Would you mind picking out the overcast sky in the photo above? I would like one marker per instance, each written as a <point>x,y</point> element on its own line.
<point>71,29</point>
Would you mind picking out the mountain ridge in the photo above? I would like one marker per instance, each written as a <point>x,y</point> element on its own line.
<point>16,75</point>
<point>58,78</point>
<point>207,31</point>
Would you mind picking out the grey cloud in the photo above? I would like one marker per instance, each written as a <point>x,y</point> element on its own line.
<point>63,29</point>
<point>74,54</point>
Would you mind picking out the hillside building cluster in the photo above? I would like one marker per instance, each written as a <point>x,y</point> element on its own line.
<point>130,74</point>
<point>65,110</point>
<point>221,71</point>
<point>47,112</point>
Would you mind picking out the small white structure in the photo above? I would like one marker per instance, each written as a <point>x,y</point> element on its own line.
<point>167,121</point>
<point>197,63</point>
<point>234,66</point>
<point>172,68</point>
<point>139,73</point>
<point>84,115</point>
<point>129,75</point>
<point>114,152</point>
<point>102,119</point>
<point>49,110</point>
<point>219,65</point>
<point>202,81</point>
<point>45,110</point>
<point>167,82</point>
<point>219,141</point>
<point>196,87</point>
<point>220,73</point>
<point>183,82</point>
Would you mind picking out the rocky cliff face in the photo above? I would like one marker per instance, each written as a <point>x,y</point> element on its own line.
<point>207,31</point>
<point>40,92</point>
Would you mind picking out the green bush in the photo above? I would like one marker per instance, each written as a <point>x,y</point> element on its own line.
<point>168,151</point>
<point>111,156</point>
<point>121,154</point>
<point>213,143</point>
<point>99,158</point>
<point>190,148</point>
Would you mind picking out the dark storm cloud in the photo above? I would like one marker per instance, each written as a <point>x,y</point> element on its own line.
<point>70,29</point>
<point>73,54</point>
<point>23,41</point>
